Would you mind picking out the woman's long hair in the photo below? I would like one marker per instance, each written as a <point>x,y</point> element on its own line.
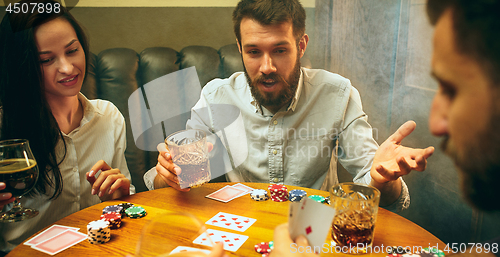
<point>25,111</point>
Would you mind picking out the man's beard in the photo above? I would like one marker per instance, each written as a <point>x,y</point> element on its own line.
<point>284,96</point>
<point>479,166</point>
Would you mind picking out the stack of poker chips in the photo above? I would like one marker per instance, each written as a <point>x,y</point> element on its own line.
<point>435,252</point>
<point>263,248</point>
<point>317,198</point>
<point>296,195</point>
<point>279,193</point>
<point>125,206</point>
<point>112,208</point>
<point>259,195</point>
<point>114,219</point>
<point>136,212</point>
<point>98,232</point>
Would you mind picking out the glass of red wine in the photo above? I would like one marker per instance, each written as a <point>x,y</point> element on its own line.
<point>19,172</point>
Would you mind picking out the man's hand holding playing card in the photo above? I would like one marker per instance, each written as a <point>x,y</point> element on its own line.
<point>285,246</point>
<point>110,184</point>
<point>392,160</point>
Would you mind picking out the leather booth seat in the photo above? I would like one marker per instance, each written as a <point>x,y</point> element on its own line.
<point>114,74</point>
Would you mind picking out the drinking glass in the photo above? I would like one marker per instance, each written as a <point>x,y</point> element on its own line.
<point>158,239</point>
<point>189,151</point>
<point>19,172</point>
<point>356,208</point>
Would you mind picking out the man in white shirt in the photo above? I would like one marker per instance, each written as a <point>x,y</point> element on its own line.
<point>296,122</point>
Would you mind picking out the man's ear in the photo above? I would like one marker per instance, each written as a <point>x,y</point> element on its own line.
<point>239,46</point>
<point>303,44</point>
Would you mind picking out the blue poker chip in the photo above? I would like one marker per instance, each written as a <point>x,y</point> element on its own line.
<point>112,208</point>
<point>296,195</point>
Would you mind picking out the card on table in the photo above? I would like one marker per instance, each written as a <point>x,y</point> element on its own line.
<point>60,242</point>
<point>245,188</point>
<point>49,233</point>
<point>232,242</point>
<point>226,194</point>
<point>231,221</point>
<point>311,219</point>
<point>181,249</point>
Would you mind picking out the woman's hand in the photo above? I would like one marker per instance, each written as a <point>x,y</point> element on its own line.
<point>110,184</point>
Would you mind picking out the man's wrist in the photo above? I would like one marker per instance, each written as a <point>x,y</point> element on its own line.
<point>389,191</point>
<point>159,182</point>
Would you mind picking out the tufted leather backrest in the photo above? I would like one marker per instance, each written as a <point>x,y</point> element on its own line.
<point>114,74</point>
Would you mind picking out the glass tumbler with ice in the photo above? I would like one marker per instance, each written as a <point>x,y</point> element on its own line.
<point>356,208</point>
<point>189,151</point>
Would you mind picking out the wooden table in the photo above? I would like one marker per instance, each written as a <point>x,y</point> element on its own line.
<point>390,230</point>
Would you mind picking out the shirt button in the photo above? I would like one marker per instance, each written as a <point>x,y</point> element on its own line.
<point>275,180</point>
<point>75,169</point>
<point>275,152</point>
<point>275,122</point>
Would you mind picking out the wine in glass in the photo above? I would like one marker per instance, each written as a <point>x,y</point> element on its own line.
<point>19,172</point>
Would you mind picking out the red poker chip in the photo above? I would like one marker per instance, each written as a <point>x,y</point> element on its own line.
<point>263,247</point>
<point>276,187</point>
<point>279,199</point>
<point>111,216</point>
<point>265,254</point>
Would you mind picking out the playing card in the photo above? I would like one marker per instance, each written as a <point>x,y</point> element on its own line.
<point>311,219</point>
<point>180,249</point>
<point>48,233</point>
<point>231,221</point>
<point>232,242</point>
<point>245,188</point>
<point>60,242</point>
<point>226,194</point>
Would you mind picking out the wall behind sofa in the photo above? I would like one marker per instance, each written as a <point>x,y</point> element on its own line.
<point>176,24</point>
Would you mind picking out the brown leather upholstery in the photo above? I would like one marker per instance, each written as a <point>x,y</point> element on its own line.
<point>114,74</point>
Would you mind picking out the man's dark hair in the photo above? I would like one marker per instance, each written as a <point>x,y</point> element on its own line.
<point>271,12</point>
<point>476,25</point>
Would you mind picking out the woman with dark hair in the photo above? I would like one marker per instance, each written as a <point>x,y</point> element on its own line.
<point>43,63</point>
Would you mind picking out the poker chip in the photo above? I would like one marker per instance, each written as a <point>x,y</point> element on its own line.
<point>125,206</point>
<point>271,244</point>
<point>98,232</point>
<point>317,198</point>
<point>433,251</point>
<point>296,195</point>
<point>112,208</point>
<point>259,195</point>
<point>136,212</point>
<point>265,254</point>
<point>397,250</point>
<point>279,193</point>
<point>263,248</point>
<point>114,219</point>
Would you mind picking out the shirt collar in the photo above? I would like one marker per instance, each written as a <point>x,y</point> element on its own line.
<point>295,99</point>
<point>89,110</point>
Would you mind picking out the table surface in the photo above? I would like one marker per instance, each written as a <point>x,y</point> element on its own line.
<point>390,230</point>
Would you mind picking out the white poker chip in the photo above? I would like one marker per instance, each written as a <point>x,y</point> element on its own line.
<point>98,232</point>
<point>259,195</point>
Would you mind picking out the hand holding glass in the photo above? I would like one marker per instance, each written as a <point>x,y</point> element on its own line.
<point>19,172</point>
<point>189,151</point>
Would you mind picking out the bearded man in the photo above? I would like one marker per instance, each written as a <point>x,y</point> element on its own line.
<point>296,123</point>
